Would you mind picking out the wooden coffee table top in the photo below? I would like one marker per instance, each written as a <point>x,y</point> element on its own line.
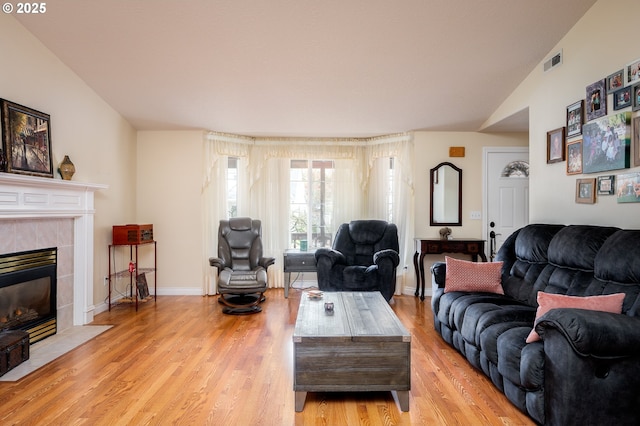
<point>357,316</point>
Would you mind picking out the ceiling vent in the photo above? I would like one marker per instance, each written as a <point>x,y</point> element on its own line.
<point>553,62</point>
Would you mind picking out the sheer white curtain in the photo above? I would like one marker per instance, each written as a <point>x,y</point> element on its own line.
<point>396,181</point>
<point>403,213</point>
<point>360,189</point>
<point>216,152</point>
<point>269,202</point>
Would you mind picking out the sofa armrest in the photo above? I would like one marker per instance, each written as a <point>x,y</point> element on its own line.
<point>439,272</point>
<point>386,254</point>
<point>334,256</point>
<point>594,333</point>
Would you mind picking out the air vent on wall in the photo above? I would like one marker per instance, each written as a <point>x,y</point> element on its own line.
<point>553,62</point>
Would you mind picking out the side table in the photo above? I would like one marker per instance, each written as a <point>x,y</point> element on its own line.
<point>297,261</point>
<point>426,246</point>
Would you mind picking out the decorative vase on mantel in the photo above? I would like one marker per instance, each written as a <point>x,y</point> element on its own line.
<point>66,169</point>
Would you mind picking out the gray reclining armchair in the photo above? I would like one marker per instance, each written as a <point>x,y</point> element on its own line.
<point>242,270</point>
<point>364,257</point>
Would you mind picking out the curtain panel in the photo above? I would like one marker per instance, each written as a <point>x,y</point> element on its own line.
<point>362,185</point>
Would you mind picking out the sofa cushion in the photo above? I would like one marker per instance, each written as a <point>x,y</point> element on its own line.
<point>510,345</point>
<point>576,246</point>
<point>527,254</point>
<point>617,268</point>
<point>572,254</point>
<point>480,316</point>
<point>547,301</point>
<point>463,275</point>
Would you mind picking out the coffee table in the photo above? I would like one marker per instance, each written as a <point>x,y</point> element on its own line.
<point>362,346</point>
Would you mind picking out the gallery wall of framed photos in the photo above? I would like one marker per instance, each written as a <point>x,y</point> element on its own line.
<point>601,138</point>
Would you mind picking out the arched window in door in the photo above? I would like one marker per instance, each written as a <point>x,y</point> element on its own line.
<point>516,169</point>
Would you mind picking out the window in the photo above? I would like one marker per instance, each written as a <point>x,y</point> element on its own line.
<point>390,190</point>
<point>311,203</point>
<point>232,187</point>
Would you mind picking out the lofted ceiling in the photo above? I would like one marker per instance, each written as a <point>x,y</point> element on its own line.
<point>329,68</point>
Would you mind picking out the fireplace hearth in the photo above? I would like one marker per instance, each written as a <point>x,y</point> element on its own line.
<point>28,287</point>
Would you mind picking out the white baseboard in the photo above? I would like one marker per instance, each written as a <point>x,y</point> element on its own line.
<point>197,291</point>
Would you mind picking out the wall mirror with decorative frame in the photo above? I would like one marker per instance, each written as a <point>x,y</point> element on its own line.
<point>446,195</point>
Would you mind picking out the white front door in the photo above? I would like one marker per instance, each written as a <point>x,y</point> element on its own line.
<point>506,174</point>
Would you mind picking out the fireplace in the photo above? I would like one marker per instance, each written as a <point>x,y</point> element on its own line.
<point>27,199</point>
<point>28,288</point>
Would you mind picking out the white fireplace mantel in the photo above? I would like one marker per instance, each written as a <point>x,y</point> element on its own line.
<point>28,197</point>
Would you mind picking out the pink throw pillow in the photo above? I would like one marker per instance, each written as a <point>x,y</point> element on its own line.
<point>463,275</point>
<point>547,301</point>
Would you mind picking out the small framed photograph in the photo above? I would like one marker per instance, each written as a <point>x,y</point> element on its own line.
<point>606,185</point>
<point>632,71</point>
<point>575,118</point>
<point>606,143</point>
<point>555,145</point>
<point>596,103</point>
<point>586,191</point>
<point>615,81</point>
<point>636,141</point>
<point>574,157</point>
<point>628,187</point>
<point>26,140</point>
<point>635,94</point>
<point>622,98</point>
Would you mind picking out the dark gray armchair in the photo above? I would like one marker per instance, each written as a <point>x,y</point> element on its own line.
<point>242,270</point>
<point>364,257</point>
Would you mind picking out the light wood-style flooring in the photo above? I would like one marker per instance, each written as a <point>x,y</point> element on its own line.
<point>180,361</point>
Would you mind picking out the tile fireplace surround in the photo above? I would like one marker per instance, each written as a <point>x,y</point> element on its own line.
<point>38,213</point>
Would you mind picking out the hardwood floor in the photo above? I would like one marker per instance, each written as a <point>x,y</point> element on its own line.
<point>181,361</point>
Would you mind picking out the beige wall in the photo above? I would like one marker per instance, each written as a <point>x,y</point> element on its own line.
<point>169,182</point>
<point>155,177</point>
<point>96,138</point>
<point>432,148</point>
<point>593,49</point>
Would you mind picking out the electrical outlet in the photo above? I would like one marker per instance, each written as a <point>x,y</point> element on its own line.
<point>106,281</point>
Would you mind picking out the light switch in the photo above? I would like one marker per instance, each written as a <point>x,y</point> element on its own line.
<point>476,215</point>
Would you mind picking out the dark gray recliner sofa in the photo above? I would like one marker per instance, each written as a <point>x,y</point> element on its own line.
<point>586,368</point>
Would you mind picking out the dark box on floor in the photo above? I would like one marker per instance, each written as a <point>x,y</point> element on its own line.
<point>14,349</point>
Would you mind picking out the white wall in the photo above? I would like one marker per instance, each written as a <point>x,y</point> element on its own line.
<point>97,139</point>
<point>602,42</point>
<point>169,185</point>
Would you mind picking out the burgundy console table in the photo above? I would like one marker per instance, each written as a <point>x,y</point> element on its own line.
<point>425,246</point>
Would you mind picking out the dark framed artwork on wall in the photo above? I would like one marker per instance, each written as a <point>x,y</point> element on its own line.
<point>622,98</point>
<point>636,141</point>
<point>615,81</point>
<point>555,145</point>
<point>606,143</point>
<point>575,118</point>
<point>635,94</point>
<point>26,140</point>
<point>586,191</point>
<point>606,185</point>
<point>596,100</point>
<point>574,157</point>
